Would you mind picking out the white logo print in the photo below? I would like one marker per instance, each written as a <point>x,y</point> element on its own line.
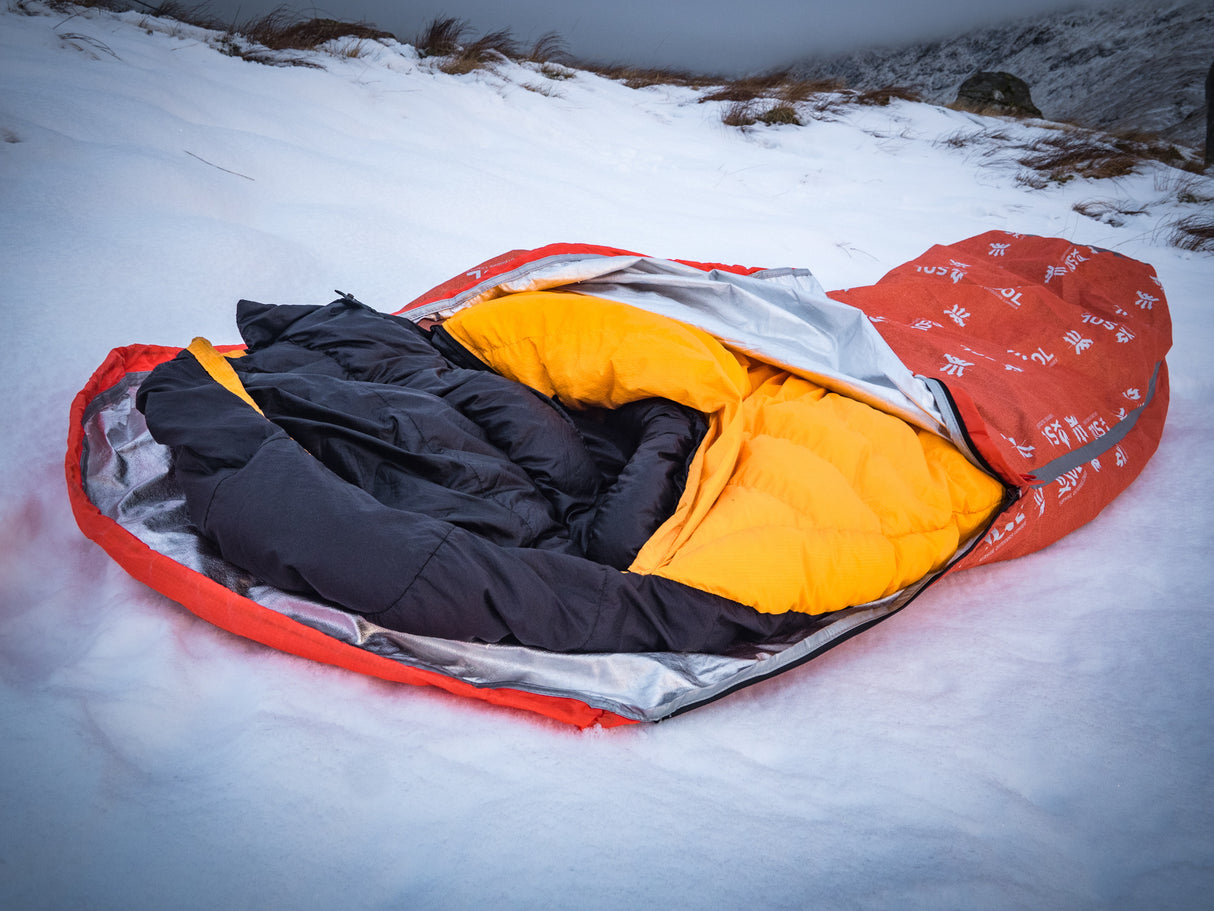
<point>957,314</point>
<point>1075,338</point>
<point>1023,448</point>
<point>955,366</point>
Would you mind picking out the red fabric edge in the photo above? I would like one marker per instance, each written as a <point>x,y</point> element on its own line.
<point>239,615</point>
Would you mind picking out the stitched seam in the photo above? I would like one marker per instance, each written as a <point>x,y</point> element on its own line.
<point>598,609</point>
<point>416,576</point>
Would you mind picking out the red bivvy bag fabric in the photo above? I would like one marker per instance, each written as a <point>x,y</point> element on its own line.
<point>1054,356</point>
<point>1046,357</point>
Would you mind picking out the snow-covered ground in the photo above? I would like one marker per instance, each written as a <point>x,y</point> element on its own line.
<point>1037,734</point>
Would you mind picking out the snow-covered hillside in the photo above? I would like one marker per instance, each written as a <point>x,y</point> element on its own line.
<point>1035,734</point>
<point>1133,67</point>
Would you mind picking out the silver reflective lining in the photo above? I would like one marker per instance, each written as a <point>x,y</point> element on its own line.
<point>129,477</point>
<point>781,315</point>
<point>788,321</point>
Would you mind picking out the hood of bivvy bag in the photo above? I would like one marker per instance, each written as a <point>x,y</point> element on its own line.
<point>599,489</point>
<point>1051,356</point>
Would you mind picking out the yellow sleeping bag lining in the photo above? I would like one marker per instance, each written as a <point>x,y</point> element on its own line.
<point>798,499</point>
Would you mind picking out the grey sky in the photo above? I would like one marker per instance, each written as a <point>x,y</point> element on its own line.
<point>701,35</point>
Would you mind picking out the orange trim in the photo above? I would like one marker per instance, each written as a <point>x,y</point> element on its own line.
<point>217,366</point>
<point>236,614</point>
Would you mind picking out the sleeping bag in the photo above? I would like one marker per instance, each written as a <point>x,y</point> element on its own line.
<point>611,488</point>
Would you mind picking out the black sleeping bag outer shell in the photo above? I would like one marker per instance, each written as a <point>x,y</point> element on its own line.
<point>395,476</point>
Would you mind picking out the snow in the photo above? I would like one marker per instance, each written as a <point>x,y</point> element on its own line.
<point>1035,734</point>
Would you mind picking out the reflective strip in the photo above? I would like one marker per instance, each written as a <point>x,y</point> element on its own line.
<point>220,370</point>
<point>1053,470</point>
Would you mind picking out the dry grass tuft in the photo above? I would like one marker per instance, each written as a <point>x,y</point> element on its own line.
<point>266,39</point>
<point>351,48</point>
<point>281,30</point>
<point>1062,152</point>
<point>548,91</point>
<point>481,53</point>
<point>965,138</point>
<point>1077,152</point>
<point>548,48</point>
<point>66,5</point>
<point>1196,233</point>
<point>266,30</point>
<point>798,91</point>
<point>1110,211</point>
<point>793,99</point>
<point>747,113</point>
<point>445,37</point>
<point>781,113</point>
<point>1194,191</point>
<point>197,14</point>
<point>639,77</point>
<point>778,98</point>
<point>884,95</point>
<point>315,32</point>
<point>740,114</point>
<point>441,37</point>
<point>190,14</point>
<point>1066,154</point>
<point>748,88</point>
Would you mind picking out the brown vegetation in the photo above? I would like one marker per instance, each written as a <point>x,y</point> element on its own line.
<point>792,99</point>
<point>883,96</point>
<point>739,114</point>
<point>796,91</point>
<point>748,113</point>
<point>1065,154</point>
<point>548,48</point>
<point>445,37</point>
<point>1196,233</point>
<point>279,32</point>
<point>748,88</point>
<point>1061,152</point>
<point>441,37</point>
<point>781,113</point>
<point>1111,212</point>
<point>481,53</point>
<point>639,77</point>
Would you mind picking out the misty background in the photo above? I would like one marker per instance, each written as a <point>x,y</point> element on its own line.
<point>707,36</point>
